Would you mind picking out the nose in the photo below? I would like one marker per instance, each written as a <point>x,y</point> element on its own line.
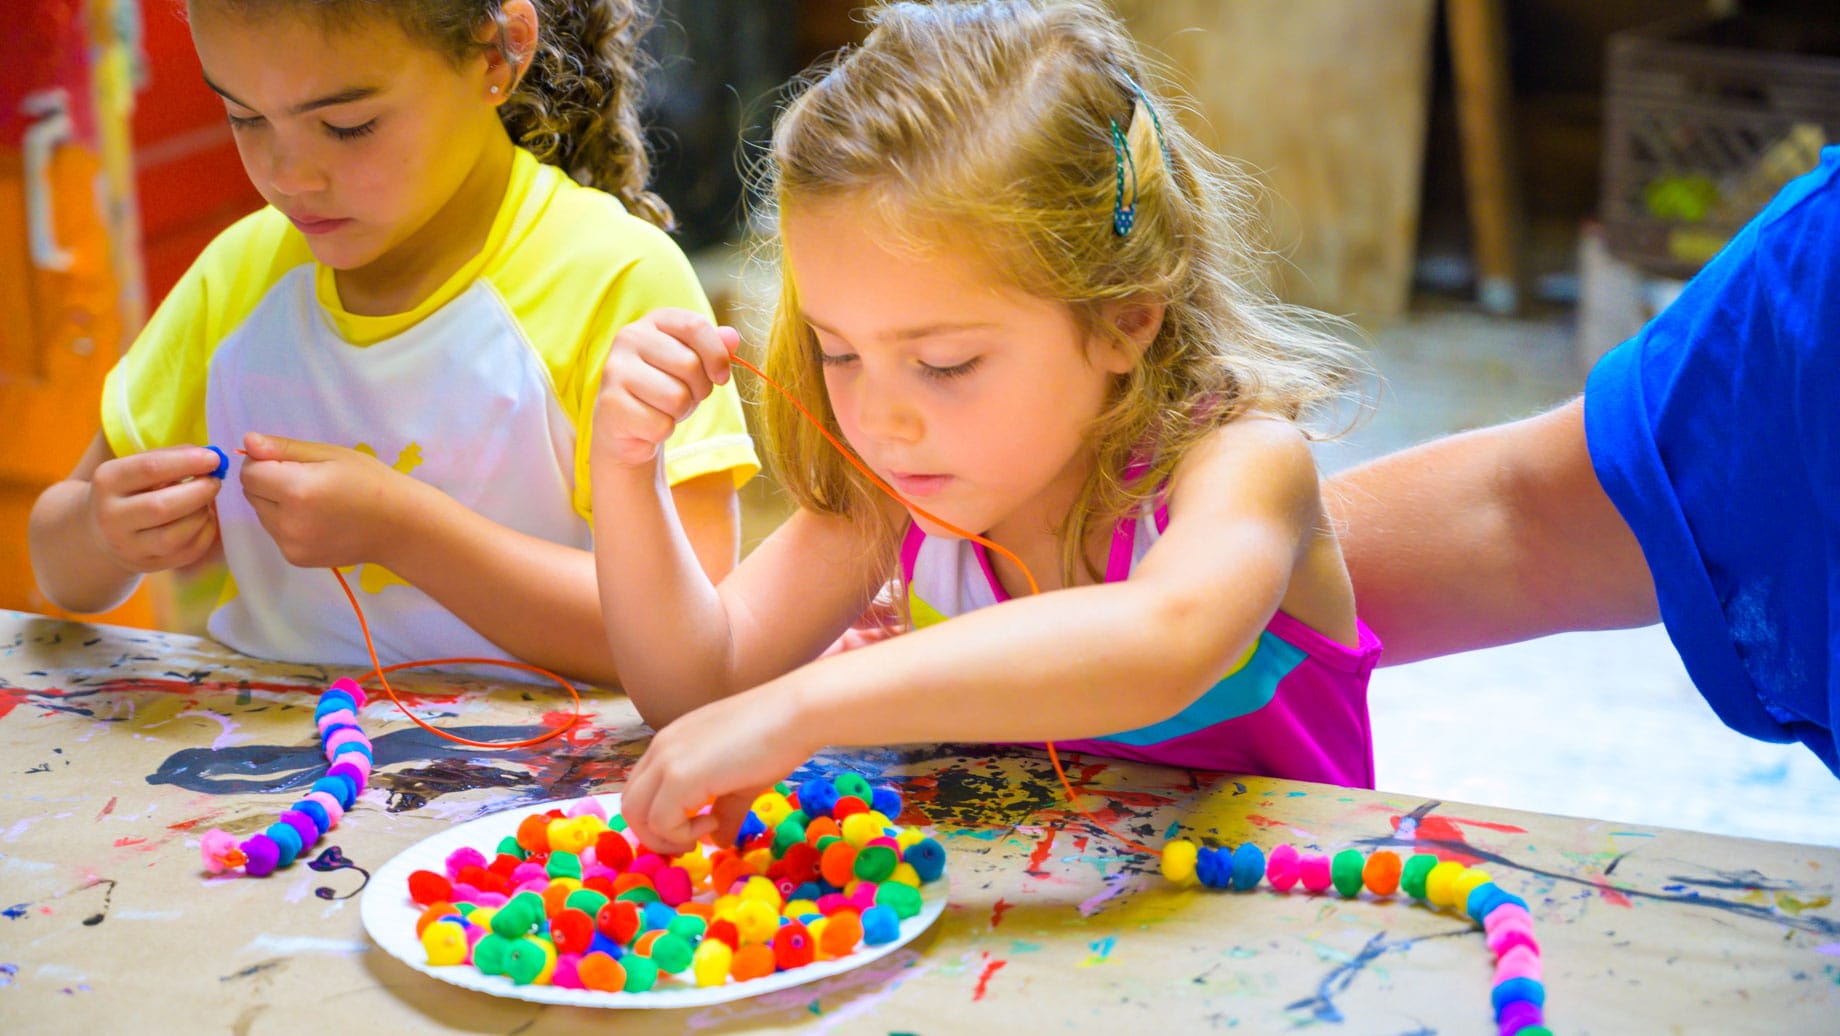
<point>291,169</point>
<point>885,414</point>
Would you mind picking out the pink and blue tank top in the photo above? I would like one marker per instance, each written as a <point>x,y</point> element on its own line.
<point>1294,706</point>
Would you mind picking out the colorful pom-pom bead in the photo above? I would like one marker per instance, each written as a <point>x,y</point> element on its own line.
<point>1248,867</point>
<point>1441,884</point>
<point>1281,867</point>
<point>1313,871</point>
<point>1412,876</point>
<point>710,962</point>
<point>445,943</point>
<point>1213,868</point>
<point>928,858</point>
<point>220,851</point>
<point>641,973</point>
<point>1381,873</point>
<point>886,801</point>
<point>1345,872</point>
<point>1517,989</point>
<point>880,925</point>
<point>261,855</point>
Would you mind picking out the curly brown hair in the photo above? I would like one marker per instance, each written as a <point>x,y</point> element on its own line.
<point>577,105</point>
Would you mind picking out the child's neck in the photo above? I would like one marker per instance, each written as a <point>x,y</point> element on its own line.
<point>401,278</point>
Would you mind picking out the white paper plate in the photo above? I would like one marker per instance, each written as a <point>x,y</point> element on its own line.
<point>389,916</point>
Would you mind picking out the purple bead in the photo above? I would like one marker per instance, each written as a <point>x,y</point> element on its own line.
<point>262,853</point>
<point>302,822</point>
<point>1518,1015</point>
<point>350,773</point>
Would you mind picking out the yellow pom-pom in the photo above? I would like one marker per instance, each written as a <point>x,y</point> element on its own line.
<point>772,807</point>
<point>905,874</point>
<point>711,961</point>
<point>1469,881</point>
<point>759,860</point>
<point>694,864</point>
<point>445,943</point>
<point>799,908</point>
<point>859,828</point>
<point>1441,883</point>
<point>755,921</point>
<point>574,834</point>
<point>908,837</point>
<point>1179,861</point>
<point>762,889</point>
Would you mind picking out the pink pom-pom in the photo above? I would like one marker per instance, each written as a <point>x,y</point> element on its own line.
<point>328,802</point>
<point>1502,915</point>
<point>350,686</point>
<point>219,851</point>
<point>525,873</point>
<point>337,716</point>
<point>1281,867</point>
<point>1314,871</point>
<point>588,807</point>
<point>1518,962</point>
<point>462,858</point>
<point>565,976</point>
<point>1505,939</point>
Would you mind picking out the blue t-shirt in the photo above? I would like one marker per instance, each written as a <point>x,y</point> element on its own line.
<point>1716,432</point>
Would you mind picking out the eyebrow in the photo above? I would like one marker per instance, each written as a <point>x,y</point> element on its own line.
<point>345,96</point>
<point>908,334</point>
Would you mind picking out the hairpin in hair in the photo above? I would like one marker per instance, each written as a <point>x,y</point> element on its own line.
<point>1124,217</point>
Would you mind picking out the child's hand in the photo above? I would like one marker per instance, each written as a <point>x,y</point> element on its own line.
<point>727,752</point>
<point>660,368</point>
<point>154,511</point>
<point>325,506</point>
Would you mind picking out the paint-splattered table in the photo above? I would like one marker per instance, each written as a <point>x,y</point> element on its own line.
<point>121,746</point>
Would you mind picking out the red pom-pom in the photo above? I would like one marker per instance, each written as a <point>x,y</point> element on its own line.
<point>572,931</point>
<point>792,946</point>
<point>427,887</point>
<point>613,851</point>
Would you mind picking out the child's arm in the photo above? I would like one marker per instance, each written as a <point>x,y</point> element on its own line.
<point>1488,537</point>
<point>327,506</point>
<point>1246,535</point>
<point>682,640</point>
<point>95,533</point>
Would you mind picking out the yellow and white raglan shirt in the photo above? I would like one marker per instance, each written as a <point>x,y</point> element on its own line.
<point>485,390</point>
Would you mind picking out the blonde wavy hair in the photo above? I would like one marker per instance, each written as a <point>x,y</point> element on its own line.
<point>995,120</point>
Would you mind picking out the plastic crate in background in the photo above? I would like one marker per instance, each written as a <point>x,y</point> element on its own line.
<point>1706,119</point>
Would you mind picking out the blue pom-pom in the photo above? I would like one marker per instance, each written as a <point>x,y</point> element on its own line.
<point>1212,868</point>
<point>321,818</point>
<point>286,839</point>
<point>339,787</point>
<point>656,915</point>
<point>886,801</point>
<point>880,925</point>
<point>927,857</point>
<point>810,890</point>
<point>354,746</point>
<point>1521,988</point>
<point>603,944</point>
<point>817,797</point>
<point>223,463</point>
<point>752,827</point>
<point>1248,867</point>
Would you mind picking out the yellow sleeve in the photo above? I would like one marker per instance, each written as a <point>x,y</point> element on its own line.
<point>584,272</point>
<point>155,395</point>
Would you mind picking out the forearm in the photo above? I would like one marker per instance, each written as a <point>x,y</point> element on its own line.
<point>1488,537</point>
<point>1074,663</point>
<point>71,566</point>
<point>660,612</point>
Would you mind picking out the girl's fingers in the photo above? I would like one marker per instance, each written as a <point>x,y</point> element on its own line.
<point>141,472</point>
<point>700,334</point>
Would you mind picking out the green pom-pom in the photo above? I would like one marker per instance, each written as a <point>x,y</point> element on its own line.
<point>1345,872</point>
<point>1412,876</point>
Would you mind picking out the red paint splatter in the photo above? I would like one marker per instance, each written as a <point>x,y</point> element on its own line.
<point>991,967</point>
<point>1611,896</point>
<point>996,912</point>
<point>1042,849</point>
<point>122,843</point>
<point>110,808</point>
<point>1449,830</point>
<point>187,825</point>
<point>1259,820</point>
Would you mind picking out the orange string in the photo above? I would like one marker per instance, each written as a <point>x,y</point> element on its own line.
<point>379,669</point>
<point>1034,588</point>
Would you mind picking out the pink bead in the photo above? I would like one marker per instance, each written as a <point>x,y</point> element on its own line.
<point>358,760</point>
<point>343,737</point>
<point>673,885</point>
<point>326,802</point>
<point>1518,962</point>
<point>537,885</point>
<point>586,808</point>
<point>648,864</point>
<point>1502,915</point>
<point>864,896</point>
<point>1281,867</point>
<point>591,869</point>
<point>462,858</point>
<point>212,846</point>
<point>526,872</point>
<point>337,716</point>
<point>491,899</point>
<point>1506,939</point>
<point>1313,871</point>
<point>350,686</point>
<point>464,893</point>
<point>565,977</point>
<point>831,902</point>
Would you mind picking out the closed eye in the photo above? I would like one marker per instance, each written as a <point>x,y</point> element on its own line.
<point>238,122</point>
<point>352,132</point>
<point>957,370</point>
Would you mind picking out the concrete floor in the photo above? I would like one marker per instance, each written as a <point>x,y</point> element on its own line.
<point>1603,725</point>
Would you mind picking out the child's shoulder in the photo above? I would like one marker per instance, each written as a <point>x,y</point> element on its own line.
<point>590,225</point>
<point>1255,450</point>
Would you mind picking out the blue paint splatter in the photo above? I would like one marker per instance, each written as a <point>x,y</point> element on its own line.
<point>7,972</point>
<point>14,913</point>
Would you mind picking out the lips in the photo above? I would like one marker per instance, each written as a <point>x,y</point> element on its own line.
<point>918,485</point>
<point>317,224</point>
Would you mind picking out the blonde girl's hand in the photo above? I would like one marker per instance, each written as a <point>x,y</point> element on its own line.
<point>660,367</point>
<point>156,510</point>
<point>725,753</point>
<point>325,506</point>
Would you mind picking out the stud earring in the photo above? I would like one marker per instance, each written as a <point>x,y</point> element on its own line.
<point>495,91</point>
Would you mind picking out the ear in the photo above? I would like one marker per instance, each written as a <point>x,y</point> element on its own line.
<point>1138,322</point>
<point>510,41</point>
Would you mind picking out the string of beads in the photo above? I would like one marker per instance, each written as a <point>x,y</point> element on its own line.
<point>1518,997</point>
